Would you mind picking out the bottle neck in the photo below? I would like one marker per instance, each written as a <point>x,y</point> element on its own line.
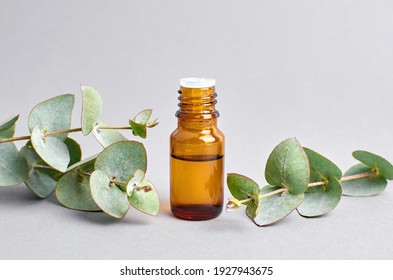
<point>197,105</point>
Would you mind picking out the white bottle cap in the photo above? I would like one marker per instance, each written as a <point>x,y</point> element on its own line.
<point>197,82</point>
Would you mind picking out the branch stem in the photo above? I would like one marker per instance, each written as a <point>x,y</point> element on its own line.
<point>344,179</point>
<point>79,129</point>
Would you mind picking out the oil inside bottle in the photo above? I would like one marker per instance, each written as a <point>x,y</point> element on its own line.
<point>197,186</point>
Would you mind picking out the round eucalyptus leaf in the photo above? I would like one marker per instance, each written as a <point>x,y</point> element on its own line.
<point>7,127</point>
<point>145,199</point>
<point>53,115</point>
<point>41,180</point>
<point>275,208</point>
<point>120,160</point>
<point>322,200</point>
<point>320,167</point>
<point>367,186</point>
<point>384,167</point>
<point>108,196</point>
<point>241,187</point>
<point>107,137</point>
<point>73,191</point>
<point>52,150</point>
<point>91,109</point>
<point>288,166</point>
<point>253,206</point>
<point>74,150</point>
<point>13,166</point>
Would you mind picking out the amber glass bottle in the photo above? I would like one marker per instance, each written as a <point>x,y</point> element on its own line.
<point>197,153</point>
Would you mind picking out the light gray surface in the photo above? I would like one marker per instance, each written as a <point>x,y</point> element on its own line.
<point>318,70</point>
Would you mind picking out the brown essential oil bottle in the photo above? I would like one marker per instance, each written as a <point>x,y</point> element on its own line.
<point>197,153</point>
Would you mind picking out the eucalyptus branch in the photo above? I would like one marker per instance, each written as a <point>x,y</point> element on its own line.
<point>288,170</point>
<point>47,163</point>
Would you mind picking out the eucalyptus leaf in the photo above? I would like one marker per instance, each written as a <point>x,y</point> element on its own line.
<point>153,123</point>
<point>137,178</point>
<point>73,191</point>
<point>321,200</point>
<point>288,166</point>
<point>86,165</point>
<point>108,196</point>
<point>8,133</point>
<point>253,206</point>
<point>321,168</point>
<point>13,166</point>
<point>91,110</point>
<point>120,160</point>
<point>8,124</point>
<point>241,187</point>
<point>367,186</point>
<point>145,199</point>
<point>384,167</point>
<point>143,117</point>
<point>53,115</point>
<point>41,179</point>
<point>7,127</point>
<point>74,150</point>
<point>274,208</point>
<point>138,129</point>
<point>107,137</point>
<point>52,150</point>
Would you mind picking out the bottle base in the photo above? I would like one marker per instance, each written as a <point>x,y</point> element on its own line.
<point>196,212</point>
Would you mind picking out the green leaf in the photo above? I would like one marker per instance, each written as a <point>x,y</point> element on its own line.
<point>52,150</point>
<point>120,160</point>
<point>40,181</point>
<point>321,200</point>
<point>241,187</point>
<point>53,115</point>
<point>108,196</point>
<point>321,168</point>
<point>107,137</point>
<point>138,129</point>
<point>91,110</point>
<point>73,191</point>
<point>288,166</point>
<point>7,127</point>
<point>384,168</point>
<point>274,208</point>
<point>145,199</point>
<point>367,186</point>
<point>143,117</point>
<point>253,206</point>
<point>152,123</point>
<point>13,166</point>
<point>86,165</point>
<point>137,178</point>
<point>74,150</point>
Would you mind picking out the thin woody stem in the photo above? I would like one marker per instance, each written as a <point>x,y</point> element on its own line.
<point>346,178</point>
<point>6,140</point>
<point>79,129</point>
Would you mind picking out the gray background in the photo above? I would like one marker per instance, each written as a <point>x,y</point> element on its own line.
<point>318,70</point>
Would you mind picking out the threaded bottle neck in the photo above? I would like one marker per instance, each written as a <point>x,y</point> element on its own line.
<point>197,103</point>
